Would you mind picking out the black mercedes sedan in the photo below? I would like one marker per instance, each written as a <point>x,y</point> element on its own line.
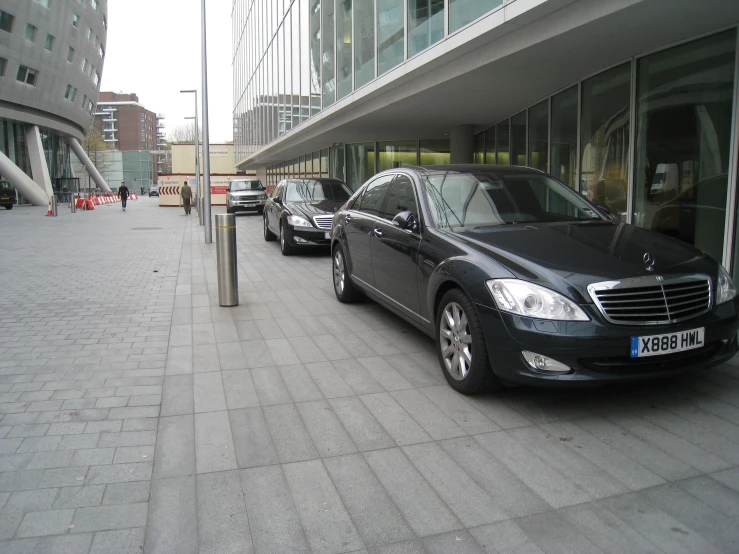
<point>300,212</point>
<point>520,280</point>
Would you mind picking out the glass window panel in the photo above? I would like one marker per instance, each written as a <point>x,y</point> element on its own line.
<point>480,148</point>
<point>400,198</point>
<point>518,139</point>
<point>364,42</point>
<point>462,12</point>
<point>539,135</point>
<point>337,162</point>
<point>316,164</point>
<point>344,48</point>
<point>564,136</point>
<point>360,163</point>
<point>280,92</point>
<point>684,116</point>
<point>328,80</point>
<point>389,34</point>
<point>604,138</point>
<point>315,56</point>
<point>324,163</point>
<point>396,154</point>
<point>425,24</point>
<point>502,132</point>
<point>287,92</point>
<point>434,152</point>
<point>490,146</point>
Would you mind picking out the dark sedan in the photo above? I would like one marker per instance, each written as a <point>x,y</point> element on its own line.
<point>519,279</point>
<point>300,212</point>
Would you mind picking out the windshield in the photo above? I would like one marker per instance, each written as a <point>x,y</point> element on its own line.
<point>316,191</point>
<point>486,198</point>
<point>246,185</point>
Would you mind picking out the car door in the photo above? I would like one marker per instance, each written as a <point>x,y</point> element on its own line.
<point>274,208</point>
<point>359,224</point>
<point>395,250</point>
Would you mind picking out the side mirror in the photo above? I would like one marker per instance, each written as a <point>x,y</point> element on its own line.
<point>277,200</point>
<point>405,220</point>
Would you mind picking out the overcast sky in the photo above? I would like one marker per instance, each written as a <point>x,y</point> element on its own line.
<point>153,50</point>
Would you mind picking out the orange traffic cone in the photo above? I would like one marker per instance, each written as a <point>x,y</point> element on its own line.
<point>49,212</point>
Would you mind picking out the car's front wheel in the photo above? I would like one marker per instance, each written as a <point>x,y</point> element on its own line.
<point>285,247</point>
<point>345,290</point>
<point>229,209</point>
<point>461,347</point>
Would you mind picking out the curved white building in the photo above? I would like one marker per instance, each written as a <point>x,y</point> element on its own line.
<point>52,54</point>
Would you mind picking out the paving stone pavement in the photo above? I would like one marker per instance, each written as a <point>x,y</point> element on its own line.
<point>136,415</point>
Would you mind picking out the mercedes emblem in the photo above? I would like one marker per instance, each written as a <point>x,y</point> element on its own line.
<point>648,261</point>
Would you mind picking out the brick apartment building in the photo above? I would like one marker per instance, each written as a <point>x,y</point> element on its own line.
<point>124,123</point>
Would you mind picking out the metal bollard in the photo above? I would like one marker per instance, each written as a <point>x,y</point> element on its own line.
<point>228,280</point>
<point>53,205</point>
<point>73,204</point>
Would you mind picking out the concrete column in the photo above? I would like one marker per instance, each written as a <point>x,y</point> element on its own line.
<point>30,190</point>
<point>462,144</point>
<point>39,168</point>
<point>91,169</point>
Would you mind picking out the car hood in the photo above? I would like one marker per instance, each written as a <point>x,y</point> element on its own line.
<point>574,255</point>
<point>311,209</point>
<point>243,193</point>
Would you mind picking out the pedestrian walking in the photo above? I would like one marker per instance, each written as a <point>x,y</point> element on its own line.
<point>123,194</point>
<point>186,195</point>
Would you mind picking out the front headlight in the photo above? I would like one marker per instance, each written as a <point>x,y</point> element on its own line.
<point>527,299</point>
<point>263,197</point>
<point>297,221</point>
<point>725,290</point>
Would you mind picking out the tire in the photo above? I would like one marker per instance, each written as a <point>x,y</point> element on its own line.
<point>344,289</point>
<point>230,210</point>
<point>464,336</point>
<point>8,206</point>
<point>269,236</point>
<point>285,247</point>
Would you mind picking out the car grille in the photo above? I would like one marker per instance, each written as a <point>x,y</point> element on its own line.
<point>324,221</point>
<point>652,300</point>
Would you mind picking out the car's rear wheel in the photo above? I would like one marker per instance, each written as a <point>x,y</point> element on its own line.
<point>345,290</point>
<point>461,347</point>
<point>285,247</point>
<point>269,236</point>
<point>8,206</point>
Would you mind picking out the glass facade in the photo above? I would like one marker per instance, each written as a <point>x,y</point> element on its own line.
<point>293,59</point>
<point>672,113</point>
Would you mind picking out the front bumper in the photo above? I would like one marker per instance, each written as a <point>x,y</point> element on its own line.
<point>308,236</point>
<point>597,351</point>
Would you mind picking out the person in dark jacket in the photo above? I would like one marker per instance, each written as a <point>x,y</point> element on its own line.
<point>123,194</point>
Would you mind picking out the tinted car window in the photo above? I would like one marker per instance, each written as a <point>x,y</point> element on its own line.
<point>374,194</point>
<point>311,190</point>
<point>277,193</point>
<point>471,199</point>
<point>4,185</point>
<point>246,185</point>
<point>401,198</point>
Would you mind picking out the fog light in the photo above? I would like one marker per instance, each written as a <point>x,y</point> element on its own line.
<point>543,363</point>
<point>300,240</point>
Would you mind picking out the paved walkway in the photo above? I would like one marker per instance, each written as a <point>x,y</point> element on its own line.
<point>138,416</point>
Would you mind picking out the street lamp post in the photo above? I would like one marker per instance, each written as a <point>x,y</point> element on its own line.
<point>206,139</point>
<point>198,199</point>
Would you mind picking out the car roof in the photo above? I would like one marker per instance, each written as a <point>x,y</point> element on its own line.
<point>473,168</point>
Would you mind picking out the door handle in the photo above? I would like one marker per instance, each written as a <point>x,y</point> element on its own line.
<point>378,232</point>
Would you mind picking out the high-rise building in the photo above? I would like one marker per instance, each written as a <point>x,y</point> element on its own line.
<point>632,103</point>
<point>51,60</point>
<point>124,123</point>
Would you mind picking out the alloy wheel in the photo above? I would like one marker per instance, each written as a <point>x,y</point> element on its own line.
<point>282,237</point>
<point>455,341</point>
<point>266,227</point>
<point>339,272</point>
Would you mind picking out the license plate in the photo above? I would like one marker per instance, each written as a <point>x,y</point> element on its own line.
<point>657,345</point>
<point>327,235</point>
